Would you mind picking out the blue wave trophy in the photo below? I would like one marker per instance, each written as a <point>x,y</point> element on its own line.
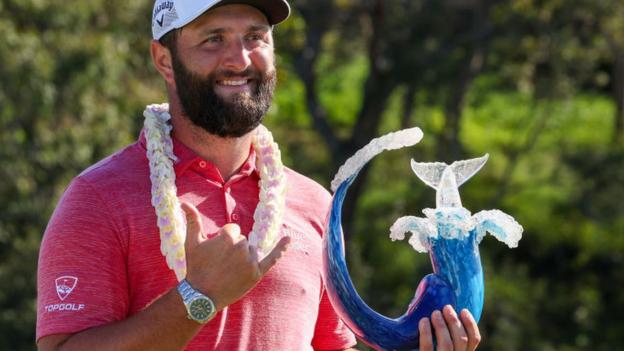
<point>449,233</point>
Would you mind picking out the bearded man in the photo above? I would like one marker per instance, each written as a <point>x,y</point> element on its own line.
<point>201,177</point>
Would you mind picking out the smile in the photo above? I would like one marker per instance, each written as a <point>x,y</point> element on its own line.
<point>234,82</point>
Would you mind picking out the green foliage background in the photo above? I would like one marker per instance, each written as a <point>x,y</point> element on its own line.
<point>75,76</point>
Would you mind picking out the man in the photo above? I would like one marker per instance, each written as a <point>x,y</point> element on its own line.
<point>103,283</point>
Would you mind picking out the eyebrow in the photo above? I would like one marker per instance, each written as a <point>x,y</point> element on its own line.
<point>259,28</point>
<point>251,28</point>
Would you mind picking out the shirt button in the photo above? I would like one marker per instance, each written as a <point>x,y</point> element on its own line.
<point>202,164</point>
<point>234,217</point>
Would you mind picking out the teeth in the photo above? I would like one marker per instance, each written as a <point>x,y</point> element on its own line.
<point>234,82</point>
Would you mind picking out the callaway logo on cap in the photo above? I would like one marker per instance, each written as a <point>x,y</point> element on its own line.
<point>171,14</point>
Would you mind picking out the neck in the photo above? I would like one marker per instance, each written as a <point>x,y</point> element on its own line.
<point>227,154</point>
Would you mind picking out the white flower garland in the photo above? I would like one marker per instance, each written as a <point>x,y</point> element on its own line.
<point>171,222</point>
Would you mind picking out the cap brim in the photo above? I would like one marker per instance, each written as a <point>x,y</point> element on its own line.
<point>276,11</point>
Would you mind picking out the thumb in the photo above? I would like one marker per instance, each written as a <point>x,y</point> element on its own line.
<point>271,259</point>
<point>193,225</point>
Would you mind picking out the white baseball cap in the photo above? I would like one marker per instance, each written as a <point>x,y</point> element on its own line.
<point>172,14</point>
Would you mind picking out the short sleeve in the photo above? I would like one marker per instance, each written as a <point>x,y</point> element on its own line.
<point>82,276</point>
<point>331,333</point>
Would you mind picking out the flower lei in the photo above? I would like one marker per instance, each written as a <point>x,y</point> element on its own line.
<point>171,222</point>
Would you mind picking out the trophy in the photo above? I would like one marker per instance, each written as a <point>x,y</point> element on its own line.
<point>449,233</point>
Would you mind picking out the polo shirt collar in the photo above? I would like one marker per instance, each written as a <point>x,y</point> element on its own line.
<point>189,160</point>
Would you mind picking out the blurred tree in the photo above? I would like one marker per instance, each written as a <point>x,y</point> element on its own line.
<point>538,57</point>
<point>609,20</point>
<point>75,76</point>
<point>436,47</point>
<point>537,83</point>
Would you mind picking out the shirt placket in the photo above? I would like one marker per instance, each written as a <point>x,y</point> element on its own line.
<point>212,176</point>
<point>230,204</point>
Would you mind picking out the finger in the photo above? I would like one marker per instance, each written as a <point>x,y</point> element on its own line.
<point>472,329</point>
<point>270,259</point>
<point>456,329</point>
<point>253,254</point>
<point>426,338</point>
<point>194,229</point>
<point>441,332</point>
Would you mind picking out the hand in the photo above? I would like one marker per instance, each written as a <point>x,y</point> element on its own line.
<point>224,267</point>
<point>451,333</point>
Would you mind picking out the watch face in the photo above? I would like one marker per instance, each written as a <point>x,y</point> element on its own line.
<point>200,309</point>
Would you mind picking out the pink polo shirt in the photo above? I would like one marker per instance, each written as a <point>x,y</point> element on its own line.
<point>100,257</point>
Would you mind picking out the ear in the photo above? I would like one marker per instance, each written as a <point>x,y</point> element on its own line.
<point>161,57</point>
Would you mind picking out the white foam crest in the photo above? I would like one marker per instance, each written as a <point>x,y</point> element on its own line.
<point>501,225</point>
<point>421,228</point>
<point>390,141</point>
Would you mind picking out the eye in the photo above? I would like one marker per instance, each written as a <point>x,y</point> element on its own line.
<point>213,39</point>
<point>255,36</point>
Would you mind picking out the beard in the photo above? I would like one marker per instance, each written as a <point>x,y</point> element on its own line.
<point>216,115</point>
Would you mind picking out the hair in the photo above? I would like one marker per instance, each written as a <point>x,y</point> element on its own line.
<point>170,41</point>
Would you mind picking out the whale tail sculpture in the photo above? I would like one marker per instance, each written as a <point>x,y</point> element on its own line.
<point>431,172</point>
<point>446,179</point>
<point>449,233</point>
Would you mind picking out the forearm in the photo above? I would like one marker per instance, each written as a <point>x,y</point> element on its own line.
<point>161,326</point>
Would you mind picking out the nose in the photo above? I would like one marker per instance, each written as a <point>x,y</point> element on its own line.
<point>236,57</point>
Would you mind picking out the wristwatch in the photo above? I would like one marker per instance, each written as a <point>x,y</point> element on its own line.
<point>199,307</point>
